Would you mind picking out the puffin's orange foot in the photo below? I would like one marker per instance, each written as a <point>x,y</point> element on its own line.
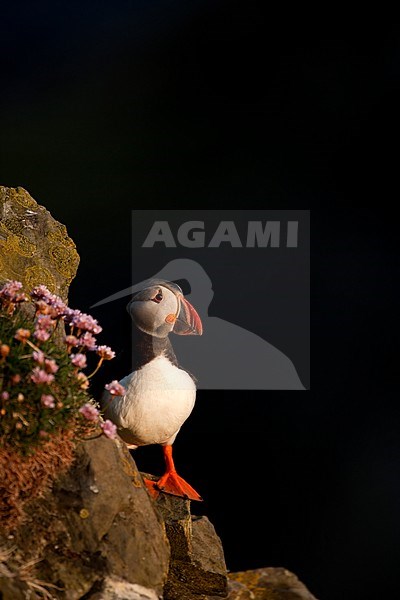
<point>171,483</point>
<point>151,487</point>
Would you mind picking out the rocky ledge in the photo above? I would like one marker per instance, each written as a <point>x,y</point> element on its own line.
<point>98,535</point>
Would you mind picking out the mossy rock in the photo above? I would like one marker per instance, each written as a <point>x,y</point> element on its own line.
<point>34,247</point>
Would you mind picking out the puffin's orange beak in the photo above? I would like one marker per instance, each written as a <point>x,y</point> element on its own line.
<point>187,321</point>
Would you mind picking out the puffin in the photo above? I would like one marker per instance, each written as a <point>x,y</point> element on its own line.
<point>159,393</point>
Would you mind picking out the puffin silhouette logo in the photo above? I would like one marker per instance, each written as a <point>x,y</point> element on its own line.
<point>226,356</point>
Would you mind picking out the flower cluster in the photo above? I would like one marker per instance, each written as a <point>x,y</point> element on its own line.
<point>115,388</point>
<point>82,322</point>
<point>43,389</point>
<point>82,329</point>
<point>11,295</point>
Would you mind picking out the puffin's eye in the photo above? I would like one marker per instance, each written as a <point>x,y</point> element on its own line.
<point>158,297</point>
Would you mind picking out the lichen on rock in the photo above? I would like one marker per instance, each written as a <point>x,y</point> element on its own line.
<point>34,247</point>
<point>267,584</point>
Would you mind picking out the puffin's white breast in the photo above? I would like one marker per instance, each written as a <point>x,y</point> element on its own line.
<point>159,398</point>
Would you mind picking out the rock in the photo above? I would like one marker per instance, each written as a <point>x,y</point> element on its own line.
<point>34,247</point>
<point>177,517</point>
<point>268,584</point>
<point>14,589</point>
<point>238,591</point>
<point>202,576</point>
<point>114,589</point>
<point>97,522</point>
<point>197,569</point>
<point>207,553</point>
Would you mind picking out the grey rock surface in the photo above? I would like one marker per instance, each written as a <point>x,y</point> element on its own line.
<point>97,522</point>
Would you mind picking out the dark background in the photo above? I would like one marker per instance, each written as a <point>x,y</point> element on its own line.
<point>108,107</point>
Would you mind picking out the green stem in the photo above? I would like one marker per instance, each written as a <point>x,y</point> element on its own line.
<point>32,345</point>
<point>96,369</point>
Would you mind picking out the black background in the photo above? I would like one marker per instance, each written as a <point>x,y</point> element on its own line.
<point>109,107</point>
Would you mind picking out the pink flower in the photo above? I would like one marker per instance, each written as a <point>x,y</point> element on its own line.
<point>87,340</point>
<point>43,308</point>
<point>109,429</point>
<point>44,327</point>
<point>10,292</point>
<point>58,306</point>
<point>40,376</point>
<point>4,395</point>
<point>4,350</point>
<point>38,357</point>
<point>89,411</point>
<point>86,322</point>
<point>10,288</point>
<point>22,335</point>
<point>50,365</point>
<point>105,352</point>
<point>45,322</point>
<point>78,360</point>
<point>84,380</point>
<point>83,321</point>
<point>115,388</point>
<point>71,340</point>
<point>70,314</point>
<point>41,334</point>
<point>48,303</point>
<point>40,292</point>
<point>47,400</point>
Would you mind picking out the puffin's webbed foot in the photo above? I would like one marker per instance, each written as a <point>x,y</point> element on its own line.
<point>151,487</point>
<point>172,483</point>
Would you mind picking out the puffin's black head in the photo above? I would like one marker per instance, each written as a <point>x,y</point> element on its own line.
<point>161,308</point>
